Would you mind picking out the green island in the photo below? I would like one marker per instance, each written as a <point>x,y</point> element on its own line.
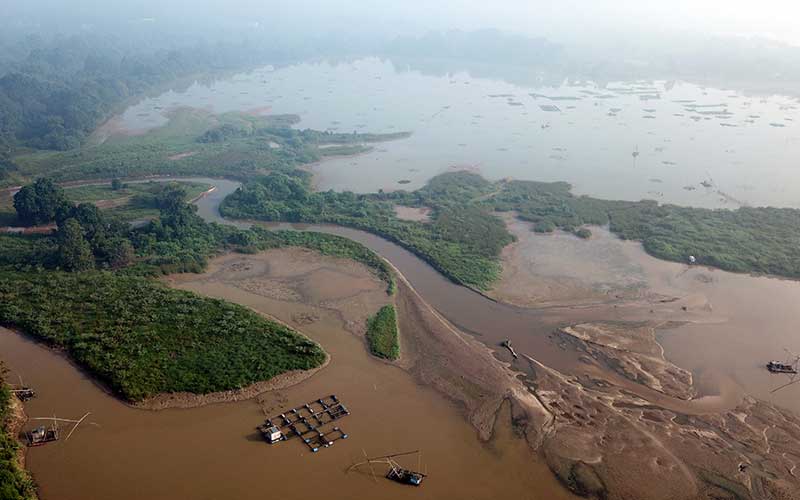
<point>142,338</point>
<point>463,240</point>
<point>382,334</point>
<point>464,236</point>
<point>89,288</point>
<point>15,483</point>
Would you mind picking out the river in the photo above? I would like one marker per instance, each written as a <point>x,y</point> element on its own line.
<point>212,452</point>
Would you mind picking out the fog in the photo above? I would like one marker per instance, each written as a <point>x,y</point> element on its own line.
<point>569,20</point>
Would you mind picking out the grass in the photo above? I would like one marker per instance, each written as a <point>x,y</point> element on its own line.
<point>243,149</point>
<point>135,201</point>
<point>382,334</point>
<point>464,239</point>
<point>15,483</point>
<point>142,338</point>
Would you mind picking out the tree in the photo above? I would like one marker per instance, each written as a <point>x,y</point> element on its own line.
<point>74,252</point>
<point>40,202</point>
<point>116,184</point>
<point>121,253</point>
<point>176,214</point>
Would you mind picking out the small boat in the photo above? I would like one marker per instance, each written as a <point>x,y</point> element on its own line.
<point>778,367</point>
<point>507,344</point>
<point>24,394</point>
<point>395,472</point>
<point>405,476</point>
<point>42,435</point>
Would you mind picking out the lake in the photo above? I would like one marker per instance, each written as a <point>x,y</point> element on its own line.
<point>671,141</point>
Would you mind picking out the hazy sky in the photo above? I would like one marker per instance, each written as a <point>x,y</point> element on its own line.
<point>564,19</point>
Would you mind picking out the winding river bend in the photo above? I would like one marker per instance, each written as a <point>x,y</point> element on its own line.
<point>140,454</point>
<point>723,343</point>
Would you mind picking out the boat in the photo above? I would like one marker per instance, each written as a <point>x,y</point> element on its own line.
<point>395,472</point>
<point>507,344</point>
<point>778,367</point>
<point>24,394</point>
<point>42,435</point>
<point>405,476</point>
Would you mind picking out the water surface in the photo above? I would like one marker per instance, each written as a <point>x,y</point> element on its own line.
<point>743,146</point>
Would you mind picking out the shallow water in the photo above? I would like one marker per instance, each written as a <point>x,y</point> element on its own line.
<point>502,130</point>
<point>737,322</point>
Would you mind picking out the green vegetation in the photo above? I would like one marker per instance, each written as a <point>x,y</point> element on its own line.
<point>759,240</point>
<point>40,202</point>
<point>463,241</point>
<point>131,201</point>
<point>132,332</point>
<point>15,484</point>
<point>142,338</point>
<point>195,142</point>
<point>382,333</point>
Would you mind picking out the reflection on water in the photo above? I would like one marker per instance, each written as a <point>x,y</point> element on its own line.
<point>706,146</point>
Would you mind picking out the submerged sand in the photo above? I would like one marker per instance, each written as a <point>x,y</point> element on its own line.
<point>626,416</point>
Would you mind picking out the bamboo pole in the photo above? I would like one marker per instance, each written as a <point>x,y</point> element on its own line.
<point>76,425</point>
<point>54,419</point>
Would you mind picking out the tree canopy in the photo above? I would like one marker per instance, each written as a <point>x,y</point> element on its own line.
<point>40,202</point>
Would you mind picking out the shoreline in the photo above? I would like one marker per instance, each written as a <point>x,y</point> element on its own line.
<point>188,400</point>
<point>18,419</point>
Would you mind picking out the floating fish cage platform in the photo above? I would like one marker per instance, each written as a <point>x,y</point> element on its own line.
<point>24,394</point>
<point>778,367</point>
<point>42,435</point>
<point>311,422</point>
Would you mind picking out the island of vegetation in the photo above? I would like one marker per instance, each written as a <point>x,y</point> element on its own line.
<point>382,333</point>
<point>88,288</point>
<point>463,238</point>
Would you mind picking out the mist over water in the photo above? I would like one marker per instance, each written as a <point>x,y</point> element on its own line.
<point>671,141</point>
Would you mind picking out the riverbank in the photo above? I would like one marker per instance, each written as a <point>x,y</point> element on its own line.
<point>328,299</point>
<point>16,482</point>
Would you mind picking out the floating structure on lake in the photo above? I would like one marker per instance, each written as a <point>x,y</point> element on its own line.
<point>43,435</point>
<point>778,367</point>
<point>310,422</point>
<point>395,473</point>
<point>23,392</point>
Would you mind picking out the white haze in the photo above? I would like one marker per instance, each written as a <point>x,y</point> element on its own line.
<point>565,20</point>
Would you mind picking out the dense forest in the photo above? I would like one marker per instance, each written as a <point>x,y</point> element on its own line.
<point>88,288</point>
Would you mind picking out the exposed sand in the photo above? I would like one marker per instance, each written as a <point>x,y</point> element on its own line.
<point>180,156</point>
<point>418,214</point>
<point>15,422</point>
<point>625,418</point>
<point>558,268</point>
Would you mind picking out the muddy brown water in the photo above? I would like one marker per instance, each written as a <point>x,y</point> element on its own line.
<point>733,325</point>
<point>214,452</point>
